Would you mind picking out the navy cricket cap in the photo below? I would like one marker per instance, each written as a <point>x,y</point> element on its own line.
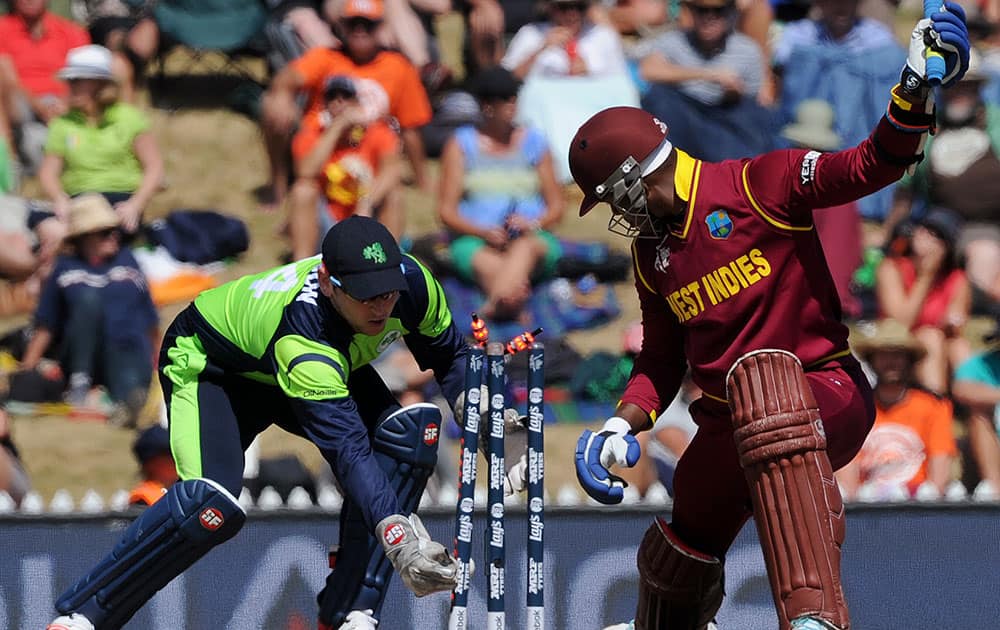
<point>363,258</point>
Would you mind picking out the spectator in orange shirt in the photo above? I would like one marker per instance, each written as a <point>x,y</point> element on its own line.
<point>156,464</point>
<point>409,28</point>
<point>33,47</point>
<point>348,156</point>
<point>361,58</point>
<point>912,441</point>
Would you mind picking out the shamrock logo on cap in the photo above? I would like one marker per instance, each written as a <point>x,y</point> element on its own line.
<point>374,253</point>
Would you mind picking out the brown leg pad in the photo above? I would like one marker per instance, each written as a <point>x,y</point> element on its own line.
<point>796,502</point>
<point>679,588</point>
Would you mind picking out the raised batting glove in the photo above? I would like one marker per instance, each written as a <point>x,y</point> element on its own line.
<point>946,33</point>
<point>359,620</point>
<point>423,565</point>
<point>597,452</point>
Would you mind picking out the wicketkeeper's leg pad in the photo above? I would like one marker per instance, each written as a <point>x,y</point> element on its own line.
<point>168,537</point>
<point>796,502</point>
<point>679,588</point>
<point>405,445</point>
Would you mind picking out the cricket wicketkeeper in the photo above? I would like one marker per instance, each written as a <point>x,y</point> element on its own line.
<point>733,282</point>
<point>292,346</point>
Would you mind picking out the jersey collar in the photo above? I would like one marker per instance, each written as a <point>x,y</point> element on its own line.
<point>686,176</point>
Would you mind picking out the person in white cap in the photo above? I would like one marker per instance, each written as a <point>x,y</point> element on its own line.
<point>101,144</point>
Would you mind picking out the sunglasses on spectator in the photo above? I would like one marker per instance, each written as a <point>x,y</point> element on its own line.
<point>355,23</point>
<point>717,12</point>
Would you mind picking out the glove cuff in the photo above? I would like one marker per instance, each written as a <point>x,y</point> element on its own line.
<point>909,114</point>
<point>394,531</point>
<point>912,86</point>
<point>617,425</point>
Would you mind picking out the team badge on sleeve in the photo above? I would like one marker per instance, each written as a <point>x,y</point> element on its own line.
<point>720,226</point>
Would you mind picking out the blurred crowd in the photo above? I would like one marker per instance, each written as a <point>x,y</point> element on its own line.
<point>359,98</point>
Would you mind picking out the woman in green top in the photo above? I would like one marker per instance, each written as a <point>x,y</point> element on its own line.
<point>100,145</point>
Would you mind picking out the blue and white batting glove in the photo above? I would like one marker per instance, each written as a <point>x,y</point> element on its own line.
<point>597,452</point>
<point>946,33</point>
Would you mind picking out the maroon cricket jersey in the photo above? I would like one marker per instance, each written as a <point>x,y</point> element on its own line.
<point>744,269</point>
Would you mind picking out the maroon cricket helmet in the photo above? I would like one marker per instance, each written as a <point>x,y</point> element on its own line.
<point>607,140</point>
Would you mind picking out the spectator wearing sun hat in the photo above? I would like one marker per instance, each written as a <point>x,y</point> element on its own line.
<point>912,440</point>
<point>96,309</point>
<point>101,144</point>
<point>156,466</point>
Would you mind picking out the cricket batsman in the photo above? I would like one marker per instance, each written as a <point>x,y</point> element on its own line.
<point>733,282</point>
<point>292,346</point>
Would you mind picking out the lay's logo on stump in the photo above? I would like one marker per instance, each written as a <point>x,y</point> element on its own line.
<point>720,226</point>
<point>211,519</point>
<point>394,535</point>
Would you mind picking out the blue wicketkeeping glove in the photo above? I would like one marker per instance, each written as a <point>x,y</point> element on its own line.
<point>946,33</point>
<point>596,452</point>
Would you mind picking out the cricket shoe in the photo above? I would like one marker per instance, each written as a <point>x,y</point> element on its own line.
<point>811,623</point>
<point>74,621</point>
<point>359,620</point>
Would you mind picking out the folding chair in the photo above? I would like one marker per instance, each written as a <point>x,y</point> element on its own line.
<point>230,29</point>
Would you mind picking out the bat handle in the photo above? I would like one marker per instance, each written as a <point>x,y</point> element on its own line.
<point>935,61</point>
